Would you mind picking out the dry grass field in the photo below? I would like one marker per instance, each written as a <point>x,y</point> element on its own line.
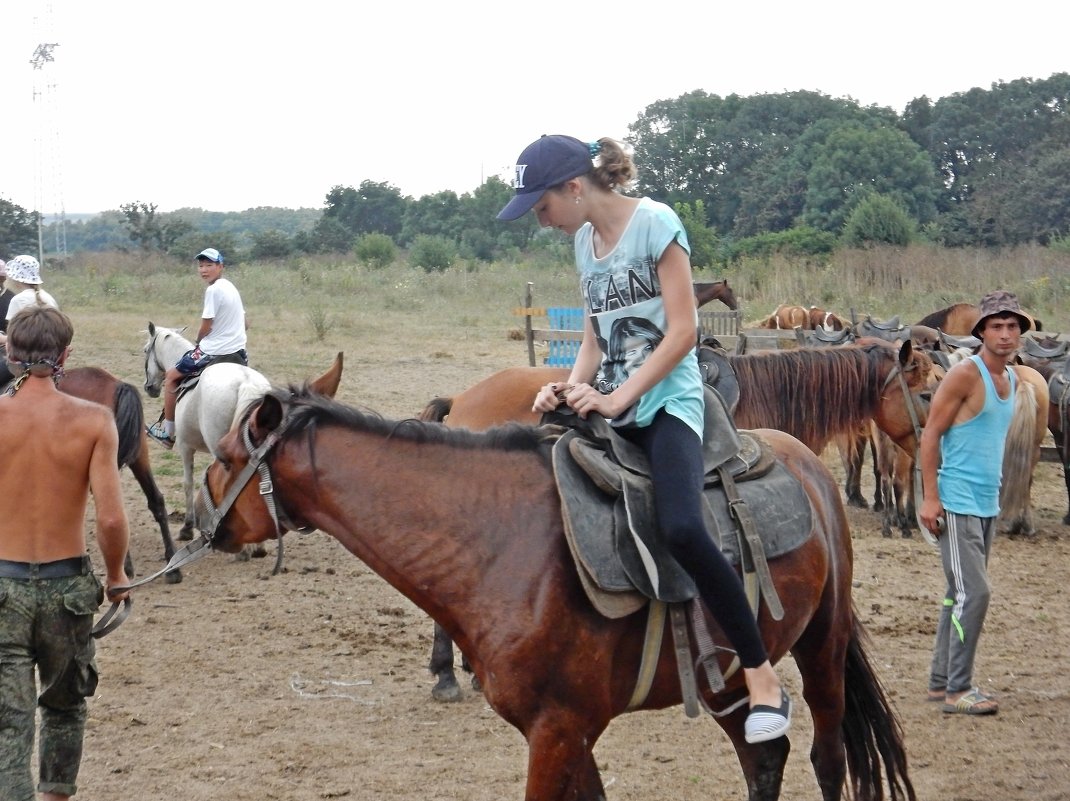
<point>313,684</point>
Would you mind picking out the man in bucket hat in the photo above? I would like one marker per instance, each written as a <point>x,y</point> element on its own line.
<point>961,462</point>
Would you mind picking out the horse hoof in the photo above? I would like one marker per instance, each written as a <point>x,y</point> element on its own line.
<point>446,691</point>
<point>858,503</point>
<point>185,534</point>
<point>907,534</point>
<point>477,685</point>
<point>241,556</point>
<point>174,577</point>
<point>259,551</point>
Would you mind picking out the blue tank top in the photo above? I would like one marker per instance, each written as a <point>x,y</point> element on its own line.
<point>971,467</point>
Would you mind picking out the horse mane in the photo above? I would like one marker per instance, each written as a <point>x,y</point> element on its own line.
<point>802,390</point>
<point>308,411</point>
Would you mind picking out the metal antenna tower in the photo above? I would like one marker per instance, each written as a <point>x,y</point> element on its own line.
<point>48,183</point>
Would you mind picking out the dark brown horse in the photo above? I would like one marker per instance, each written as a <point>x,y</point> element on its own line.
<point>98,385</point>
<point>468,526</point>
<point>815,395</point>
<point>707,291</point>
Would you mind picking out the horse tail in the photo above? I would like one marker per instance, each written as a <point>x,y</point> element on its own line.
<point>130,422</point>
<point>436,410</point>
<point>1019,452</point>
<point>872,734</point>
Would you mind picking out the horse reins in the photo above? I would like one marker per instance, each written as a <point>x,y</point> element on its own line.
<point>194,550</point>
<point>257,464</point>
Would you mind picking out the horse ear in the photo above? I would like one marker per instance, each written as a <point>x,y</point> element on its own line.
<point>152,329</point>
<point>906,350</point>
<point>327,384</point>
<point>266,417</point>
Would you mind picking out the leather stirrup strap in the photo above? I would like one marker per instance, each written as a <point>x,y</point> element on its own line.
<point>655,628</point>
<point>738,508</point>
<point>681,643</point>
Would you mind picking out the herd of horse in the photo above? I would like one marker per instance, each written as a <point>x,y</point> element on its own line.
<point>481,547</point>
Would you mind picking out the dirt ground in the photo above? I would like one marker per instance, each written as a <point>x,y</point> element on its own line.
<point>313,684</point>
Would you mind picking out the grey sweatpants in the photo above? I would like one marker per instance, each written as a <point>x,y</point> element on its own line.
<point>965,546</point>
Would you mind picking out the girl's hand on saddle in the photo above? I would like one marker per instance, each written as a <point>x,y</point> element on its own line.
<point>550,397</point>
<point>584,399</point>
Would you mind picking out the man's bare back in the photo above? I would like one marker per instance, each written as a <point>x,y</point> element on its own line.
<point>54,447</point>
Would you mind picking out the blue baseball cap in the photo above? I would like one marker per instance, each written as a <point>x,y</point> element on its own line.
<point>547,162</point>
<point>211,254</point>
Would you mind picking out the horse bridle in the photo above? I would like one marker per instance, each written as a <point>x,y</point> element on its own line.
<point>213,516</point>
<point>150,352</point>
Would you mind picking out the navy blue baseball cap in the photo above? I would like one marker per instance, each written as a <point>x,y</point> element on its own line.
<point>547,162</point>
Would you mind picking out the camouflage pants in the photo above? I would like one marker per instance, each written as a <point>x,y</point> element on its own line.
<point>47,623</point>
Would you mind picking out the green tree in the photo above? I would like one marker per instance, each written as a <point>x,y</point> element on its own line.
<point>372,208</point>
<point>152,231</point>
<point>704,242</point>
<point>878,220</point>
<point>270,245</point>
<point>435,254</point>
<point>18,230</point>
<point>856,160</point>
<point>433,215</point>
<point>376,250</point>
<point>703,147</point>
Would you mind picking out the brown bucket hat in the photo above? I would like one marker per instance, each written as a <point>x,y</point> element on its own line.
<point>1000,302</point>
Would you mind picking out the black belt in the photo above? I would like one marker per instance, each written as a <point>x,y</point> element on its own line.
<point>61,568</point>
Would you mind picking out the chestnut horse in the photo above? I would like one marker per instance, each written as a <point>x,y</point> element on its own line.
<point>814,395</point>
<point>468,526</point>
<point>98,385</point>
<point>707,291</point>
<point>786,316</point>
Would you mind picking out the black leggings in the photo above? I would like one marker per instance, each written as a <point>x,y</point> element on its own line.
<point>675,454</point>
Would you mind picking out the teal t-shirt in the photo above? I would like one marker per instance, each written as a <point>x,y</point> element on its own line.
<point>622,295</point>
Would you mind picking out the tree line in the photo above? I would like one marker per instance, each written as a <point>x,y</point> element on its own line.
<point>799,172</point>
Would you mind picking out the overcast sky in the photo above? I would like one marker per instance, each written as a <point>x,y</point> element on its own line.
<point>227,105</point>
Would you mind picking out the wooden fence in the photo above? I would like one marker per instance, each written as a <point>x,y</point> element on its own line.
<point>564,331</point>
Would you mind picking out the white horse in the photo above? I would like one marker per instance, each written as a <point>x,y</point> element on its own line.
<point>209,410</point>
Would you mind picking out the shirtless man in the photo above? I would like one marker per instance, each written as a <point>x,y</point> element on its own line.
<point>57,450</point>
<point>961,463</point>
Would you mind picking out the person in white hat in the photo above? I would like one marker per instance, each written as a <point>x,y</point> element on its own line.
<point>24,280</point>
<point>220,338</point>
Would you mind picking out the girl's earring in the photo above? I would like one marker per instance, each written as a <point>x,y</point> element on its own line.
<point>578,198</point>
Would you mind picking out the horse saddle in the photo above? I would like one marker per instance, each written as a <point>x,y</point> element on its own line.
<point>826,337</point>
<point>754,509</point>
<point>1033,348</point>
<point>889,329</point>
<point>189,382</point>
<point>718,373</point>
<point>952,342</point>
<point>1059,383</point>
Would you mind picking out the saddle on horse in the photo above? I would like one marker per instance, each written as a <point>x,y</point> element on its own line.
<point>755,509</point>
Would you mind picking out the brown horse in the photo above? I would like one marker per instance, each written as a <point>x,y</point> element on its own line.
<point>98,385</point>
<point>958,319</point>
<point>468,526</point>
<point>786,317</point>
<point>707,291</point>
<point>815,395</point>
<point>820,318</point>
